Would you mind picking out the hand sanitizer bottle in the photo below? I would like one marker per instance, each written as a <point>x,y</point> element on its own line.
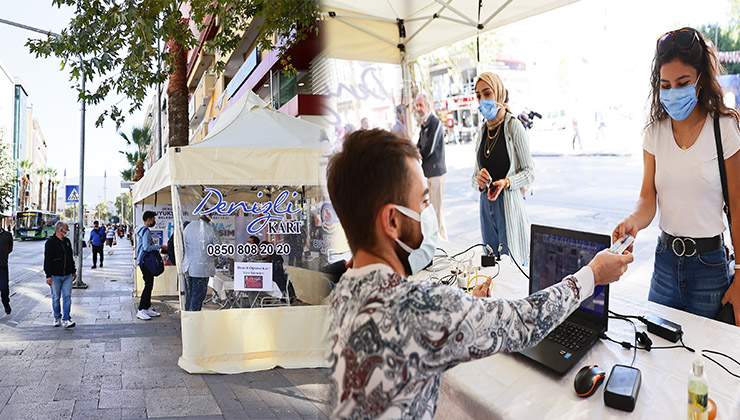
<point>698,391</point>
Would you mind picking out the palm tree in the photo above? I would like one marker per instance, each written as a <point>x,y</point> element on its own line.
<point>128,174</point>
<point>177,92</point>
<point>52,173</point>
<point>54,198</point>
<point>42,173</point>
<point>140,138</point>
<point>25,167</point>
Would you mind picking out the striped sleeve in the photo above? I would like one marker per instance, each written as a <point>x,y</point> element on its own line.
<point>525,173</point>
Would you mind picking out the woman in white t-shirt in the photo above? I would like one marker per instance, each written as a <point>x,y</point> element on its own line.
<point>682,178</point>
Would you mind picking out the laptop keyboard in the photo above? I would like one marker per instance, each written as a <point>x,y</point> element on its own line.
<point>570,335</point>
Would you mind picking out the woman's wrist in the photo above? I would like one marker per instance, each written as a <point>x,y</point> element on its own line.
<point>508,182</point>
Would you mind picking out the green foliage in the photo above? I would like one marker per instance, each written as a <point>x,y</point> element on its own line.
<point>8,176</point>
<point>727,39</point>
<point>123,206</point>
<point>128,174</point>
<point>117,40</point>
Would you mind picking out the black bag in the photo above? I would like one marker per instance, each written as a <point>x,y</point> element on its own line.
<point>153,263</point>
<point>152,260</point>
<point>726,313</point>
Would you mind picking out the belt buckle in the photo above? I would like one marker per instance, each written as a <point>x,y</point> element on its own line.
<point>683,241</point>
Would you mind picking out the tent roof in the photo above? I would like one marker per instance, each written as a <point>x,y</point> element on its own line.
<point>368,31</point>
<point>251,144</point>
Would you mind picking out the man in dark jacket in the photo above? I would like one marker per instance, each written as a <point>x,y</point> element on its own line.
<point>432,148</point>
<point>59,265</point>
<point>6,247</point>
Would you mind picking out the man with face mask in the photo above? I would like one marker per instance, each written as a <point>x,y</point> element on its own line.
<point>390,338</point>
<point>144,244</point>
<point>197,265</point>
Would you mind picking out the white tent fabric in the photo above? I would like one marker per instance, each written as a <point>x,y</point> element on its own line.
<point>369,30</point>
<point>251,144</point>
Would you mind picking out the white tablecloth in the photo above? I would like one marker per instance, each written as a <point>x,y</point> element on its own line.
<point>506,386</point>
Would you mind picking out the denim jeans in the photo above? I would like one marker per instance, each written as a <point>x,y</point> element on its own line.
<point>694,284</point>
<point>493,222</point>
<point>195,293</point>
<point>61,286</point>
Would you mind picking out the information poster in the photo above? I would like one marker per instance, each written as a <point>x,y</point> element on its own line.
<point>253,276</point>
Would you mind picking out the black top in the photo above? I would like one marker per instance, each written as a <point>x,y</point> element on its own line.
<point>58,257</point>
<point>6,243</point>
<point>497,163</point>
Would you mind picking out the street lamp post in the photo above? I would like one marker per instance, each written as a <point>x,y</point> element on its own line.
<point>78,283</point>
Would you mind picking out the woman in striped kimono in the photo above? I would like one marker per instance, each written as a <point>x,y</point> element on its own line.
<point>503,165</point>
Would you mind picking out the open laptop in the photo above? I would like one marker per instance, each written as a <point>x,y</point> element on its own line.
<point>556,253</point>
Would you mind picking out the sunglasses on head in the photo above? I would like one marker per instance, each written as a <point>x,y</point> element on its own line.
<point>682,38</point>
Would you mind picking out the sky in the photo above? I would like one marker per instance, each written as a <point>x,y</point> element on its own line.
<point>611,31</point>
<point>55,103</point>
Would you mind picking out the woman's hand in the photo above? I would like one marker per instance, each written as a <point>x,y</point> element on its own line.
<point>495,189</point>
<point>627,227</point>
<point>483,179</point>
<point>733,296</point>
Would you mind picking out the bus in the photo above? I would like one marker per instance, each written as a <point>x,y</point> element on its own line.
<point>35,224</point>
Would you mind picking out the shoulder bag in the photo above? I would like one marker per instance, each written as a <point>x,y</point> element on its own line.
<point>726,313</point>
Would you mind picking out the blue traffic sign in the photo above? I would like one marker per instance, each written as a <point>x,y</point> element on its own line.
<point>73,194</point>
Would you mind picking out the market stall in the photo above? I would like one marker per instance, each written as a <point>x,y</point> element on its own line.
<point>258,176</point>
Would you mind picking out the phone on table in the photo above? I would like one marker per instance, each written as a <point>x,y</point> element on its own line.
<point>620,246</point>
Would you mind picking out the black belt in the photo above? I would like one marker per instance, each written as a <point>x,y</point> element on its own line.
<point>688,247</point>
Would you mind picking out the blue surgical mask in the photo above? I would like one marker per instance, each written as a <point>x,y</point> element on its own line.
<point>679,102</point>
<point>422,256</point>
<point>488,109</point>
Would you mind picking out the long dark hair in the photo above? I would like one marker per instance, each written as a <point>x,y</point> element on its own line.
<point>701,56</point>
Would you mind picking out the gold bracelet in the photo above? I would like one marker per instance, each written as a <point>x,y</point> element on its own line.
<point>508,183</point>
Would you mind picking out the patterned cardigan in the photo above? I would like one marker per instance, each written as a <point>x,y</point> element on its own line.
<point>521,174</point>
<point>391,339</point>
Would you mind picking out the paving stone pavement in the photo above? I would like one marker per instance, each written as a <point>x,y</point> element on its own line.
<point>115,366</point>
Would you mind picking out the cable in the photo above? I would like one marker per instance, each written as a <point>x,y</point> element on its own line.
<point>512,258</point>
<point>471,247</point>
<point>718,363</point>
<point>625,344</point>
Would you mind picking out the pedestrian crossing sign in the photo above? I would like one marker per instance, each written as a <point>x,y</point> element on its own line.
<point>73,194</point>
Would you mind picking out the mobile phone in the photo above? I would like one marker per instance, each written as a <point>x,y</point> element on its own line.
<point>620,246</point>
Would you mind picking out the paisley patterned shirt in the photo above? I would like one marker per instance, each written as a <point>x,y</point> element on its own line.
<point>391,339</point>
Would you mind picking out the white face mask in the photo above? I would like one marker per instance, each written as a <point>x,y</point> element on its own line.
<point>421,257</point>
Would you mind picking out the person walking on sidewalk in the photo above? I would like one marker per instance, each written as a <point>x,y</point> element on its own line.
<point>144,244</point>
<point>59,266</point>
<point>6,247</point>
<point>431,145</point>
<point>97,240</point>
<point>110,236</point>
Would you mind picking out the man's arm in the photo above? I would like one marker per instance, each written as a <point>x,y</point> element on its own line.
<point>147,241</point>
<point>47,259</point>
<point>480,327</point>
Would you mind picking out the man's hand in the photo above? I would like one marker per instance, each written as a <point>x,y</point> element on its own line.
<point>733,296</point>
<point>48,281</point>
<point>74,276</point>
<point>608,267</point>
<point>483,290</point>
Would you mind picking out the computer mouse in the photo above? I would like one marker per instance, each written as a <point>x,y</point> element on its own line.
<point>588,379</point>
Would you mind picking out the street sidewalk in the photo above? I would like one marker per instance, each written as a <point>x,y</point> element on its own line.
<point>115,366</point>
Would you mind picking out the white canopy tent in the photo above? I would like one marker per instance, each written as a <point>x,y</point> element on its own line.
<point>249,145</point>
<point>395,31</point>
<point>391,31</point>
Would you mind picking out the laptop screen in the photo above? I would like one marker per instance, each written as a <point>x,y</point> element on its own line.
<point>557,253</point>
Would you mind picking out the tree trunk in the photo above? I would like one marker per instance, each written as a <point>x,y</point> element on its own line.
<point>177,91</point>
<point>139,173</point>
<point>41,196</point>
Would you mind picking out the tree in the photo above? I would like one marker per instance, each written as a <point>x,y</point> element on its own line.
<point>25,167</point>
<point>52,174</point>
<point>8,177</point>
<point>128,174</point>
<point>42,172</point>
<point>118,43</point>
<point>140,139</point>
<point>123,206</point>
<point>725,39</point>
